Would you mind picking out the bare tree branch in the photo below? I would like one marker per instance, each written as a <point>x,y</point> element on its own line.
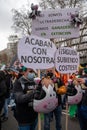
<point>21,21</point>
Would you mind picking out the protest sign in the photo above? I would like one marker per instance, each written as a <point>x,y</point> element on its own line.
<point>55,23</point>
<point>66,60</point>
<point>35,52</point>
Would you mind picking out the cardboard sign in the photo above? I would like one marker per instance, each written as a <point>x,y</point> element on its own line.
<point>35,52</point>
<point>66,60</point>
<point>55,23</point>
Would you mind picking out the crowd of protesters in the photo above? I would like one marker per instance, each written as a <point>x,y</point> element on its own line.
<point>18,90</point>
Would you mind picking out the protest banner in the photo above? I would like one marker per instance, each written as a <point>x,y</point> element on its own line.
<point>55,23</point>
<point>35,52</point>
<point>66,60</point>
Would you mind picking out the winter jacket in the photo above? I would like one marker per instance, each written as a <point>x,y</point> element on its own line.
<point>84,99</point>
<point>3,89</point>
<point>8,84</point>
<point>24,94</point>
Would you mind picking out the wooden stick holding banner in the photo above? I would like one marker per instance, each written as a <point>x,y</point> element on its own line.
<point>66,59</point>
<point>37,55</point>
<point>67,107</point>
<point>39,122</point>
<point>66,115</point>
<point>39,119</point>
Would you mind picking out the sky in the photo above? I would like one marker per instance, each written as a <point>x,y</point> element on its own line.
<point>6,18</point>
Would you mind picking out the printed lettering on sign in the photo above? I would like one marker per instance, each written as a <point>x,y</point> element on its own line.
<point>35,52</point>
<point>55,23</point>
<point>66,60</point>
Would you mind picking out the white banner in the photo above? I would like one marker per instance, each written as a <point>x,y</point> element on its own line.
<point>66,60</point>
<point>35,52</point>
<point>55,23</point>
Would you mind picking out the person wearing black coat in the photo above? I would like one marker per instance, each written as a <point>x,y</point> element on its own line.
<point>57,112</point>
<point>8,76</point>
<point>3,90</point>
<point>82,106</point>
<point>24,89</point>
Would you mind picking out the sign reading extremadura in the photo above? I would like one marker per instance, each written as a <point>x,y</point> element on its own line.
<point>55,23</point>
<point>36,52</point>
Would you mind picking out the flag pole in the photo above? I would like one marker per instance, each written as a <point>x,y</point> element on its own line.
<point>67,108</point>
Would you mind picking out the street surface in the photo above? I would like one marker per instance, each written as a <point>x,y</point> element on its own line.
<point>73,124</point>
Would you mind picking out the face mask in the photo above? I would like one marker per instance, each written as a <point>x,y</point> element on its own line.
<point>31,76</point>
<point>50,74</point>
